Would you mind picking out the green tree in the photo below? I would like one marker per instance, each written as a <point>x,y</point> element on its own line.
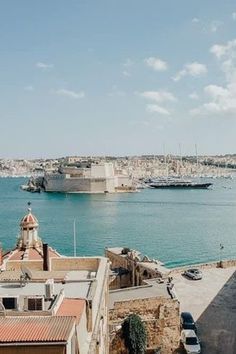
<point>135,334</point>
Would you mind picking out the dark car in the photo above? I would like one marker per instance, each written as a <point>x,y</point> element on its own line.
<point>187,321</point>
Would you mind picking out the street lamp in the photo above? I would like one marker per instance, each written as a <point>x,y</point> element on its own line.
<point>221,251</point>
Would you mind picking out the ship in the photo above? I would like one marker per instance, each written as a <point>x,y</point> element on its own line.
<point>177,183</point>
<point>85,177</point>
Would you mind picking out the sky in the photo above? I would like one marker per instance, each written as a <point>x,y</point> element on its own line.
<point>117,77</point>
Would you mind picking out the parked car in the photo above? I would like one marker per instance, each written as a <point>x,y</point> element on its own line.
<point>193,273</point>
<point>190,341</point>
<point>187,321</point>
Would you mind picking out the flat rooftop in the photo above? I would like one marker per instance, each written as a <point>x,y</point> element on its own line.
<point>75,289</point>
<point>75,283</point>
<point>57,275</point>
<point>152,289</point>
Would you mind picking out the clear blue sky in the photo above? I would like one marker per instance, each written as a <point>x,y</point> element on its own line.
<point>117,77</point>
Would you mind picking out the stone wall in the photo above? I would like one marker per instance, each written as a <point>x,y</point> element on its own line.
<point>116,260</point>
<point>67,263</point>
<point>220,264</point>
<point>138,271</point>
<point>119,281</point>
<point>17,265</point>
<point>161,318</point>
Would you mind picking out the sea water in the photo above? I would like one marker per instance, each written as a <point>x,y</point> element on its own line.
<point>178,227</point>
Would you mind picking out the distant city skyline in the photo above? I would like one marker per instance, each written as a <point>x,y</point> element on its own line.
<point>117,77</point>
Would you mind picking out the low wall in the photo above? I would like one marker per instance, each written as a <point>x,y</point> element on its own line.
<point>220,264</point>
<point>17,265</point>
<point>70,263</point>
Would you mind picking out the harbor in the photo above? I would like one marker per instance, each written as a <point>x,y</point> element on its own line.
<point>178,226</point>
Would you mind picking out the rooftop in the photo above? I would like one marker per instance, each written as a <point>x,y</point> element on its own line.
<point>29,254</point>
<point>35,329</point>
<point>74,289</point>
<point>152,289</point>
<point>71,307</point>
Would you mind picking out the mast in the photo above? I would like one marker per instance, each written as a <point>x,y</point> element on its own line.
<point>196,156</point>
<point>74,239</point>
<point>165,160</point>
<point>180,158</point>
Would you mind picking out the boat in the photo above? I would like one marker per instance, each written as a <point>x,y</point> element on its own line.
<point>178,183</point>
<point>31,186</point>
<point>32,189</point>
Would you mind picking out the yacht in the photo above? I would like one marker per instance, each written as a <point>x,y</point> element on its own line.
<point>177,183</point>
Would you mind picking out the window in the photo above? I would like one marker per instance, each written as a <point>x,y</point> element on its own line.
<point>35,304</point>
<point>10,303</point>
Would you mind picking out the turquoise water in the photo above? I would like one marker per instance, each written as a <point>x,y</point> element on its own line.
<point>176,226</point>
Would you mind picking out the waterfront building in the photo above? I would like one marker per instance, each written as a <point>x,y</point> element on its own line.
<point>142,286</point>
<point>49,302</point>
<point>131,269</point>
<point>86,177</point>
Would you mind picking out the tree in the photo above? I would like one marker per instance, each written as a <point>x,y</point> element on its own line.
<point>135,334</point>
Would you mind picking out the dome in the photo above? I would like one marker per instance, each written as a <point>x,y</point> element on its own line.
<point>29,220</point>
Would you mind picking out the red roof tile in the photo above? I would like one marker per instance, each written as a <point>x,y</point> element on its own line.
<point>33,254</point>
<point>16,255</point>
<point>35,329</point>
<point>71,307</point>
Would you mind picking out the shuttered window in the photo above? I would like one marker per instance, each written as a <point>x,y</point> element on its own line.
<point>35,304</point>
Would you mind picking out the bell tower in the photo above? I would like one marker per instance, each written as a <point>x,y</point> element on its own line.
<point>28,237</point>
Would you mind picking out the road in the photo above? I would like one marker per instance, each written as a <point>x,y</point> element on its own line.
<point>212,302</point>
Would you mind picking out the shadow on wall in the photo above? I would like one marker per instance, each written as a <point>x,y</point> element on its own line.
<point>217,324</point>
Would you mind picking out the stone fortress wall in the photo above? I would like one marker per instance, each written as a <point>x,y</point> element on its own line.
<point>160,313</point>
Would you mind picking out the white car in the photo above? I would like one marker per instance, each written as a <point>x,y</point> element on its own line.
<point>193,273</point>
<point>190,341</point>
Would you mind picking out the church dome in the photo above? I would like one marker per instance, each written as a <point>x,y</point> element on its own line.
<point>29,220</point>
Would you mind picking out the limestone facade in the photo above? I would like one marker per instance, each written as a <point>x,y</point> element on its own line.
<point>160,316</point>
<point>130,269</point>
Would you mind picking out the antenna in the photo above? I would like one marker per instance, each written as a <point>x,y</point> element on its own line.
<point>196,155</point>
<point>180,158</point>
<point>165,160</point>
<point>74,240</point>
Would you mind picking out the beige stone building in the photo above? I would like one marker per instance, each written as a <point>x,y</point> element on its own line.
<point>130,268</point>
<point>60,303</point>
<point>142,286</point>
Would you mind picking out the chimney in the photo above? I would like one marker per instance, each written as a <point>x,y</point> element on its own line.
<point>45,257</point>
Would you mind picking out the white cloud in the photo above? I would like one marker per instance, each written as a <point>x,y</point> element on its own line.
<point>70,94</point>
<point>29,88</point>
<point>226,54</point>
<point>195,20</point>
<point>215,91</point>
<point>159,96</point>
<point>234,16</point>
<point>215,26</point>
<point>222,50</point>
<point>115,91</point>
<point>221,100</point>
<point>44,66</point>
<point>194,69</point>
<point>126,73</point>
<point>154,108</point>
<point>156,64</point>
<point>193,96</point>
<point>128,63</point>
